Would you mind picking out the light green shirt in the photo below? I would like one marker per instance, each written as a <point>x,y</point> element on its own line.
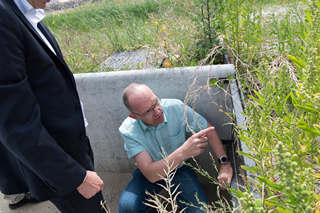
<point>169,135</point>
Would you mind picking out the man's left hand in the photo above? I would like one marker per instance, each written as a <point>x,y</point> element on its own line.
<point>225,175</point>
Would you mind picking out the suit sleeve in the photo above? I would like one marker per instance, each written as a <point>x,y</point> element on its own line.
<point>21,130</point>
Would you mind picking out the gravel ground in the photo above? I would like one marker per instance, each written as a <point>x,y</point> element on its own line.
<point>65,4</point>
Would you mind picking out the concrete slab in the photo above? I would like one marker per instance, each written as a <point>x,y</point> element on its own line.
<point>137,59</point>
<point>55,5</point>
<point>43,207</point>
<point>115,183</point>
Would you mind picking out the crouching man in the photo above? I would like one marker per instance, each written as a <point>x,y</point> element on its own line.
<point>154,125</point>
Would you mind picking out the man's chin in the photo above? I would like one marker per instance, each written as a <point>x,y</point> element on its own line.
<point>42,6</point>
<point>160,119</point>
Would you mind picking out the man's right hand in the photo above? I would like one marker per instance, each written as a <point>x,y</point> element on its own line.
<point>91,185</point>
<point>196,144</point>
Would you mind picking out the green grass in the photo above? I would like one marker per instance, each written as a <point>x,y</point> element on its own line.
<point>89,34</point>
<point>101,15</point>
<point>92,32</point>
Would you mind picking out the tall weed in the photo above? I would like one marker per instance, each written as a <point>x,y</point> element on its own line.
<point>278,62</point>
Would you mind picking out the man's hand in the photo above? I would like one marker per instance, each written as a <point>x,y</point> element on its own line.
<point>196,144</point>
<point>91,185</point>
<point>225,175</point>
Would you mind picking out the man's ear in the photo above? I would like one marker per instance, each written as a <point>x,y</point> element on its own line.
<point>131,115</point>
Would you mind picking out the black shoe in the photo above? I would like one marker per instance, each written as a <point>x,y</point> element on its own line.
<point>26,199</point>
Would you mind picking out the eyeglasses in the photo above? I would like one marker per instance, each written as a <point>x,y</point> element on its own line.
<point>150,110</point>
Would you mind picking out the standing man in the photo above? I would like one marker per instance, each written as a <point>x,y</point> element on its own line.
<point>154,124</point>
<point>44,149</point>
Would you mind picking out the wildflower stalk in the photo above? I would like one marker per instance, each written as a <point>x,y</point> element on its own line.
<point>166,204</point>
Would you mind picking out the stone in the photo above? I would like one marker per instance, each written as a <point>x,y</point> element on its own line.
<point>65,4</point>
<point>138,59</point>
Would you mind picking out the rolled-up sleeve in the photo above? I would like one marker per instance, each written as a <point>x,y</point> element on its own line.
<point>133,147</point>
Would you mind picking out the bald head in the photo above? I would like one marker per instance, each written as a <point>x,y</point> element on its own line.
<point>135,93</point>
<point>143,104</point>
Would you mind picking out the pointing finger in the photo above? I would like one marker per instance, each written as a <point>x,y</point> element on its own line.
<point>204,132</point>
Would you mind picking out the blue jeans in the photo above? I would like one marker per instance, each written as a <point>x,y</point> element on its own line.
<point>133,197</point>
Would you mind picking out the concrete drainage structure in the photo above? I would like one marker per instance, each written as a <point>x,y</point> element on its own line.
<point>101,95</point>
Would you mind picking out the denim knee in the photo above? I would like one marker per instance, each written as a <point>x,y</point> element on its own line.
<point>130,202</point>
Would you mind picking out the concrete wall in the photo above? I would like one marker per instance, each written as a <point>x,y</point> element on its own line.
<point>101,96</point>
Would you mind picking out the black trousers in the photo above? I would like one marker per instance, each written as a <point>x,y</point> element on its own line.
<point>76,203</point>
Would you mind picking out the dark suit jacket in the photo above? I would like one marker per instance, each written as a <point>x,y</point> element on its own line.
<point>43,145</point>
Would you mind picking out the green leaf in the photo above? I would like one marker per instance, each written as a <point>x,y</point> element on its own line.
<point>213,82</point>
<point>248,155</point>
<point>258,95</point>
<point>230,77</point>
<point>307,108</point>
<point>274,134</point>
<point>267,150</point>
<point>282,210</point>
<point>250,169</point>
<point>255,100</point>
<point>274,203</point>
<point>308,16</point>
<point>237,193</point>
<point>293,98</point>
<point>270,183</point>
<point>309,129</point>
<point>220,84</point>
<point>297,61</point>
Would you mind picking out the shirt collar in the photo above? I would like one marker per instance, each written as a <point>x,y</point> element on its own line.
<point>143,125</point>
<point>33,15</point>
<point>23,5</point>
